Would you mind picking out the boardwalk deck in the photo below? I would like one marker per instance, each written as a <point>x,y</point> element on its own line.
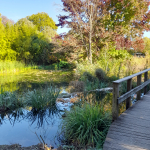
<point>131,131</point>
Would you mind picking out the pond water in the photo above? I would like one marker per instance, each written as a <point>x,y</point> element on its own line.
<point>26,126</point>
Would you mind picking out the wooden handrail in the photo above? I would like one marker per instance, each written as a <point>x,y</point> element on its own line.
<point>127,96</point>
<point>131,76</point>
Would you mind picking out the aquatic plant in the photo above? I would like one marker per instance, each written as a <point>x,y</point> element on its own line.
<point>86,125</point>
<point>10,101</point>
<point>41,99</point>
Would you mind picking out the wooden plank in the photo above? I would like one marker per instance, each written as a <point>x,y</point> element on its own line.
<point>130,123</point>
<point>131,92</point>
<point>145,79</point>
<point>131,130</point>
<point>126,139</point>
<point>115,108</point>
<point>130,77</point>
<point>128,100</point>
<point>121,147</point>
<point>137,131</point>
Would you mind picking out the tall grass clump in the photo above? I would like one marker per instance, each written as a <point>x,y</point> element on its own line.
<point>9,101</point>
<point>86,126</point>
<point>14,66</point>
<point>42,99</point>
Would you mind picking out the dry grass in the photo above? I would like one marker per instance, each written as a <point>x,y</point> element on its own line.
<point>76,86</point>
<point>74,99</point>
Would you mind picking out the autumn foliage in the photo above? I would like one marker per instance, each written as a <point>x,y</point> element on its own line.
<point>96,23</point>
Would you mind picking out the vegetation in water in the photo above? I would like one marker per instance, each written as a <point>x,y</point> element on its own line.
<point>86,126</point>
<point>42,99</point>
<point>37,99</point>
<point>10,101</point>
<point>99,48</point>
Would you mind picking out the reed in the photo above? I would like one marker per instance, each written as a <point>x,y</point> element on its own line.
<point>86,125</point>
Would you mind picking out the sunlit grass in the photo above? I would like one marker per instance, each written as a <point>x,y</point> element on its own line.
<point>9,82</point>
<point>14,67</point>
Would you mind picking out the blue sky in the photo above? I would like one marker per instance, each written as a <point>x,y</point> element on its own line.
<point>17,9</point>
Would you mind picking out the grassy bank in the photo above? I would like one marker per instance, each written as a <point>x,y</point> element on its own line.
<point>7,67</point>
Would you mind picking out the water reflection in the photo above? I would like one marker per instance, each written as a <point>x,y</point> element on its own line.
<point>20,126</point>
<point>12,116</point>
<point>42,116</point>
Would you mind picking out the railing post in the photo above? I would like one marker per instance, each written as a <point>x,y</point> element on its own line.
<point>139,83</point>
<point>145,79</point>
<point>115,101</point>
<point>128,100</point>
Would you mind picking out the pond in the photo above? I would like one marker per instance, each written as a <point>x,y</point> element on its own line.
<point>28,126</point>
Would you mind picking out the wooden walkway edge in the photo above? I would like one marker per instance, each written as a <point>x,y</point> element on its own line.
<point>131,130</point>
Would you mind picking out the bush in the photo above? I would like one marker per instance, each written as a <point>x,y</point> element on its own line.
<point>100,74</point>
<point>64,64</point>
<point>88,76</point>
<point>76,86</point>
<point>112,78</point>
<point>86,125</point>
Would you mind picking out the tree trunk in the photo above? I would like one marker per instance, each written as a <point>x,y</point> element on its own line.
<point>90,43</point>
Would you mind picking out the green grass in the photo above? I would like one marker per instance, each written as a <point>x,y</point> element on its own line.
<point>10,101</point>
<point>86,125</point>
<point>41,99</point>
<point>14,66</point>
<point>38,99</point>
<point>95,85</point>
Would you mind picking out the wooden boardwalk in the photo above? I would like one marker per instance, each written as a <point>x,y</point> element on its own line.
<point>131,130</point>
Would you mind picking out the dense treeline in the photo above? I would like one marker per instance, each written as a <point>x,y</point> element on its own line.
<point>97,30</point>
<point>28,40</point>
<point>104,25</point>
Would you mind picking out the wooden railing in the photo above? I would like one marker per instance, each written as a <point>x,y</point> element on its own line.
<point>127,96</point>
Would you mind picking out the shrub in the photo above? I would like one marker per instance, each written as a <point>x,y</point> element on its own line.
<point>95,85</point>
<point>64,64</point>
<point>86,125</point>
<point>112,78</point>
<point>87,76</point>
<point>100,74</point>
<point>76,86</point>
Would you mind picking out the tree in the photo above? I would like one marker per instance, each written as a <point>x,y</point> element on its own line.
<point>5,20</point>
<point>147,45</point>
<point>83,18</point>
<point>49,33</point>
<point>24,30</point>
<point>99,21</point>
<point>6,53</point>
<point>41,20</point>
